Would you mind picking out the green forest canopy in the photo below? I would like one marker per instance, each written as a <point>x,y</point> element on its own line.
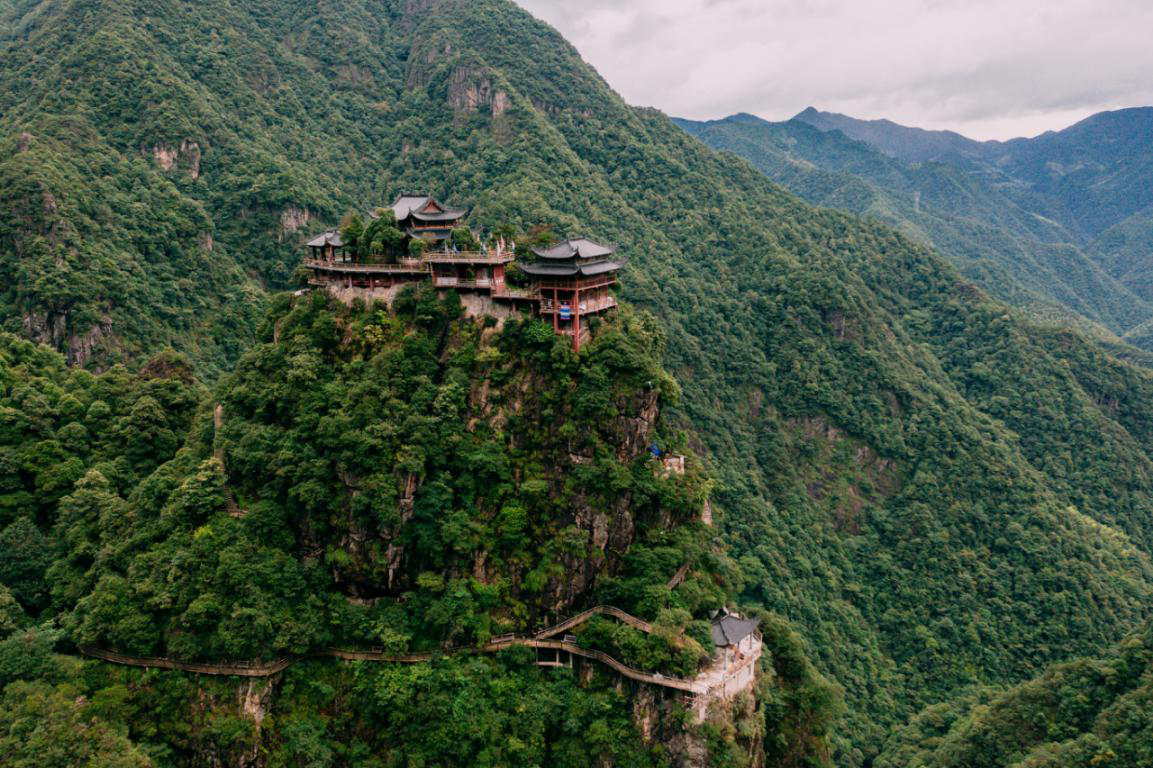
<point>934,492</point>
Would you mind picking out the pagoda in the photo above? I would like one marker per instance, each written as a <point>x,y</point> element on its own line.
<point>572,281</point>
<point>423,216</point>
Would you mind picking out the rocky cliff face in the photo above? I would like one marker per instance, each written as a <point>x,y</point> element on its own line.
<point>184,156</point>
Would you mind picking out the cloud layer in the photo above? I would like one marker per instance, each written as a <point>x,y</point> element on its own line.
<point>987,68</point>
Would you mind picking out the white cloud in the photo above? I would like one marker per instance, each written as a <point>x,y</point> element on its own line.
<point>987,68</point>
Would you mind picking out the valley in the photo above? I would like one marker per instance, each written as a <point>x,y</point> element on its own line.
<point>245,419</point>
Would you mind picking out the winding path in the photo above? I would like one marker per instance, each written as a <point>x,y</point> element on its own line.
<point>539,640</point>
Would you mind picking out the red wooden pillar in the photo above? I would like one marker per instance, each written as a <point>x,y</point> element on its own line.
<point>576,306</point>
<point>555,311</point>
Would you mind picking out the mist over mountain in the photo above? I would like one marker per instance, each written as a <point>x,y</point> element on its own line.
<point>918,489</point>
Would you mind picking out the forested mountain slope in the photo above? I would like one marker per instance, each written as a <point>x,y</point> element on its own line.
<point>1002,243</point>
<point>914,145</point>
<point>1125,250</point>
<point>1094,178</point>
<point>932,492</point>
<point>1090,175</point>
<point>1080,714</point>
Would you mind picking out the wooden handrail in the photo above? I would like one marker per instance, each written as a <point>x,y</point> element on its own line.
<point>237,668</point>
<point>436,257</point>
<point>540,640</point>
<point>624,670</point>
<point>414,266</point>
<point>267,669</point>
<point>678,577</point>
<point>583,616</point>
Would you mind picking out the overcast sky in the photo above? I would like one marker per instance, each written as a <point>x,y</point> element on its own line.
<point>991,69</point>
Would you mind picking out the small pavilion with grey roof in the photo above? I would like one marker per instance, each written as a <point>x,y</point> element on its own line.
<point>738,647</point>
<point>572,280</point>
<point>327,246</point>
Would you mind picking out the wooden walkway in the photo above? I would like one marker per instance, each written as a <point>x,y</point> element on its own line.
<point>583,616</point>
<point>542,640</point>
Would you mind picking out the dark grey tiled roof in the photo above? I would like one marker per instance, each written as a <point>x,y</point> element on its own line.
<point>571,269</point>
<point>730,630</point>
<point>404,205</point>
<point>450,214</point>
<point>331,237</point>
<point>575,249</point>
<point>411,205</point>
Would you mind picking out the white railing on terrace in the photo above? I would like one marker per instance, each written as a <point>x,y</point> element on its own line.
<point>467,257</point>
<point>456,282</point>
<point>547,306</point>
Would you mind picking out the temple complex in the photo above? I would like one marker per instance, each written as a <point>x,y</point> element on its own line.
<point>564,284</point>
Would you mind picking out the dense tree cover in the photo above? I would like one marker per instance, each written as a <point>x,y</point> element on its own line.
<point>406,480</point>
<point>1092,712</point>
<point>43,726</point>
<point>925,519</point>
<point>480,711</point>
<point>378,241</point>
<point>1124,251</point>
<point>106,260</point>
<point>1027,260</point>
<point>492,461</point>
<point>71,445</point>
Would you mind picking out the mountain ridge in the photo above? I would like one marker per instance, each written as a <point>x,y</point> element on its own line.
<point>1018,256</point>
<point>929,491</point>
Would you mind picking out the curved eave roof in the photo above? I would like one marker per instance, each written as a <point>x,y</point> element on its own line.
<point>451,214</point>
<point>575,249</point>
<point>731,630</point>
<point>571,269</point>
<point>331,237</point>
<point>406,206</point>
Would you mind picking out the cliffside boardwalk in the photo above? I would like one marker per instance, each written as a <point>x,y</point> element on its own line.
<point>732,671</point>
<point>566,283</point>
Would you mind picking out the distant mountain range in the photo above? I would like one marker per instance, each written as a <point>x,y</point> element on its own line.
<point>1060,225</point>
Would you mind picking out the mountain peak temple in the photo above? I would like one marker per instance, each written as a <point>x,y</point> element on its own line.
<point>565,283</point>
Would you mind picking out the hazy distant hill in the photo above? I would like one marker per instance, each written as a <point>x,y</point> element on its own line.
<point>914,145</point>
<point>1090,177</point>
<point>1024,258</point>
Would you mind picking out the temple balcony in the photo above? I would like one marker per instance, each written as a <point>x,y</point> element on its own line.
<point>468,257</point>
<point>404,266</point>
<point>505,291</point>
<point>447,281</point>
<point>549,307</point>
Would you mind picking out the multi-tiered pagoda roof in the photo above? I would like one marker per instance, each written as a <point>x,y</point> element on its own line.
<point>425,216</point>
<point>574,258</point>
